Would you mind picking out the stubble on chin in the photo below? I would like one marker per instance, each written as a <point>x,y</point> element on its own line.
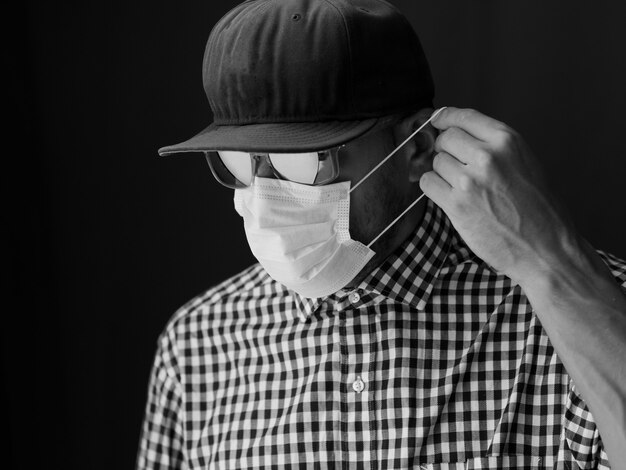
<point>380,206</point>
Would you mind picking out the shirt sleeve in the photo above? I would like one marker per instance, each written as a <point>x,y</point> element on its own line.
<point>581,442</point>
<point>161,443</point>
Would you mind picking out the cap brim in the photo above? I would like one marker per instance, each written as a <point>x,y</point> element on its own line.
<point>275,137</point>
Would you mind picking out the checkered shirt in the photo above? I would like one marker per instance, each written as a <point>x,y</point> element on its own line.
<point>435,362</point>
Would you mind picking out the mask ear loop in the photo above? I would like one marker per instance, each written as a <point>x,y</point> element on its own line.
<point>433,116</point>
<point>369,245</point>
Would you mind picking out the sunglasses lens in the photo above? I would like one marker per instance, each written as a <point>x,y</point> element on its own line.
<point>234,169</point>
<point>296,167</point>
<point>328,168</point>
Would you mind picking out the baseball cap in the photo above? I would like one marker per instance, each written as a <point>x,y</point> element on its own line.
<point>304,75</point>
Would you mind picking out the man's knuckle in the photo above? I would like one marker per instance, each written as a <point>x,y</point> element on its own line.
<point>505,137</point>
<point>436,161</point>
<point>466,183</point>
<point>443,140</point>
<point>456,204</point>
<point>467,114</point>
<point>449,136</point>
<point>454,133</point>
<point>484,158</point>
<point>439,141</point>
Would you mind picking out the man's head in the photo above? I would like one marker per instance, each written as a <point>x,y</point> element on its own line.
<point>310,75</point>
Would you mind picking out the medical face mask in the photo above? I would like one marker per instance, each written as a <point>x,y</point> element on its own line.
<point>300,233</point>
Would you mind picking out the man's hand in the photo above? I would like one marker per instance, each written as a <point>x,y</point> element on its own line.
<point>489,184</point>
<point>487,181</point>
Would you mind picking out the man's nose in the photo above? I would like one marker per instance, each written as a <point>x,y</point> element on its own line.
<point>263,169</point>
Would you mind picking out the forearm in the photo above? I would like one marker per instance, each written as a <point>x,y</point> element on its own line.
<point>583,310</point>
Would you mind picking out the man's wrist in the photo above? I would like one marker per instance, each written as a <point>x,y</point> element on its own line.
<point>575,267</point>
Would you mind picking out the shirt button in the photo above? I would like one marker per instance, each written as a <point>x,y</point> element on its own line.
<point>358,385</point>
<point>354,297</point>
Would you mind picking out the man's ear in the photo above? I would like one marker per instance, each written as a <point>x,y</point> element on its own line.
<point>420,149</point>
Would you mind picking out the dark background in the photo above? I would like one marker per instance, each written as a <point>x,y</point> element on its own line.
<point>106,240</point>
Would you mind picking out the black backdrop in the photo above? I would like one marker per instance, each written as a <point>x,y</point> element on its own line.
<point>106,240</point>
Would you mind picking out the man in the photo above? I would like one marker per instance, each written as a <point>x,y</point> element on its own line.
<point>473,328</point>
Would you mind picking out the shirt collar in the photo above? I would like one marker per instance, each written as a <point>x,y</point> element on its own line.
<point>409,273</point>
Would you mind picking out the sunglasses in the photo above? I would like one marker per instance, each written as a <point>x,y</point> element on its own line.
<point>235,169</point>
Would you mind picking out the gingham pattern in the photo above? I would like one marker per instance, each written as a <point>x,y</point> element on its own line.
<point>455,368</point>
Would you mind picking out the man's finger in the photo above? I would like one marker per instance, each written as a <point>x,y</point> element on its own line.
<point>471,121</point>
<point>435,187</point>
<point>449,168</point>
<point>459,144</point>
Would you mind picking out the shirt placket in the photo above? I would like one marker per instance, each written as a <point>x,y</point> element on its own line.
<point>357,392</point>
